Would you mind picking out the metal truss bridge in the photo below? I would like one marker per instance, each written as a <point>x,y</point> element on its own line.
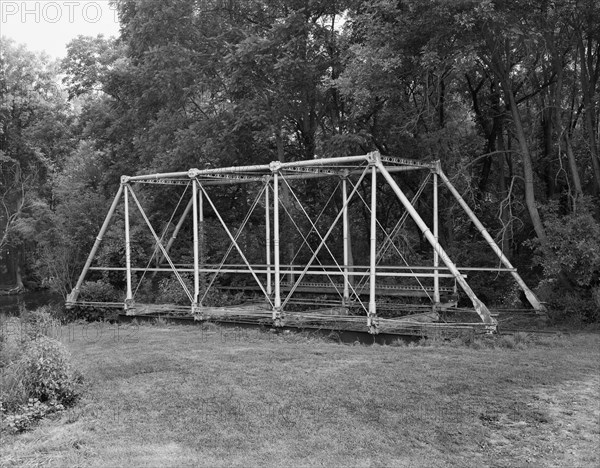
<point>318,282</point>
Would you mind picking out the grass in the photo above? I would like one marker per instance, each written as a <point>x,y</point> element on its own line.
<point>185,396</point>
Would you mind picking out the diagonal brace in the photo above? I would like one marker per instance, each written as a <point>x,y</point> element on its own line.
<point>324,239</point>
<point>479,306</point>
<point>234,238</point>
<point>160,245</point>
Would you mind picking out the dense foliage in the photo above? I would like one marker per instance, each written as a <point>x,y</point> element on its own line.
<point>504,93</point>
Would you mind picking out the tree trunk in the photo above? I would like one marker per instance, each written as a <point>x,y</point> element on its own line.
<point>588,87</point>
<point>592,143</point>
<point>548,148</point>
<point>505,207</point>
<point>573,167</point>
<point>564,139</point>
<point>530,202</point>
<point>502,68</point>
<point>18,259</point>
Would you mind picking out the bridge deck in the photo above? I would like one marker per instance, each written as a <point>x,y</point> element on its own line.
<point>420,321</point>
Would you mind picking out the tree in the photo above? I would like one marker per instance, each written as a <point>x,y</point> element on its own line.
<point>34,136</point>
<point>588,48</point>
<point>88,62</point>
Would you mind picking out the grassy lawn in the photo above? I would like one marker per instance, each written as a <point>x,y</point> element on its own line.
<point>186,396</point>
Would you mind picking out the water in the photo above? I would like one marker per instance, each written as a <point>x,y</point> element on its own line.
<point>11,305</point>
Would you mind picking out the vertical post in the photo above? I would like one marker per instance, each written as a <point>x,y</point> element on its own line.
<point>346,228</point>
<point>277,279</point>
<point>202,240</point>
<point>268,236</point>
<point>436,256</point>
<point>129,296</point>
<point>196,243</point>
<point>373,253</point>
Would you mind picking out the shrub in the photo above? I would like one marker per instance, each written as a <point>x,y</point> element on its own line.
<point>570,258</point>
<point>576,305</point>
<point>146,290</point>
<point>94,291</point>
<point>37,376</point>
<point>47,373</point>
<point>572,246</point>
<point>91,314</point>
<point>98,291</point>
<point>170,291</point>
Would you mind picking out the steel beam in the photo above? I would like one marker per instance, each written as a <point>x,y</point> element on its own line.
<point>266,168</point>
<point>196,246</point>
<point>371,324</point>
<point>276,259</point>
<point>263,270</point>
<point>129,294</point>
<point>346,241</point>
<point>202,232</point>
<point>268,236</point>
<point>436,256</point>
